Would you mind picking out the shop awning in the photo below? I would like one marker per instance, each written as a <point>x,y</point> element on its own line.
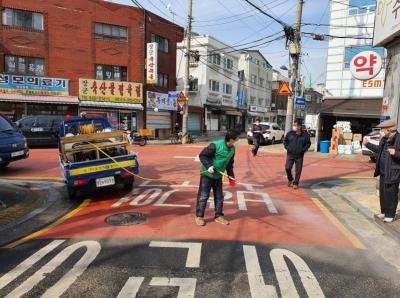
<point>114,105</point>
<point>357,108</point>
<point>233,113</point>
<point>69,100</point>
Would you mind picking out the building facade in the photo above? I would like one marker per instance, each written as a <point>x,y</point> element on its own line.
<point>213,104</point>
<point>347,98</point>
<point>256,84</point>
<point>279,102</point>
<point>97,47</point>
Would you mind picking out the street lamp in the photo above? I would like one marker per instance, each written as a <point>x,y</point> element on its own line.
<point>283,67</point>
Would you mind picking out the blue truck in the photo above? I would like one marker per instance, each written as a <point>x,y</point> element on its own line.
<point>93,155</point>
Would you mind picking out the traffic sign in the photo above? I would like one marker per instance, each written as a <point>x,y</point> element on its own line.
<point>182,99</point>
<point>284,89</point>
<point>300,101</point>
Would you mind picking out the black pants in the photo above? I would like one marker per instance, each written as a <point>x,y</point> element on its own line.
<point>256,144</point>
<point>388,197</point>
<point>206,184</point>
<point>290,161</point>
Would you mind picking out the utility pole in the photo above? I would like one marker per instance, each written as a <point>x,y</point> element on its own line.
<point>187,69</point>
<point>294,52</point>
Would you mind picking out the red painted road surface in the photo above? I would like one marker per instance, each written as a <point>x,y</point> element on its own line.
<point>261,208</point>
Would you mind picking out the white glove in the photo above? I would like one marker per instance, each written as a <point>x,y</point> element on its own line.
<point>211,170</point>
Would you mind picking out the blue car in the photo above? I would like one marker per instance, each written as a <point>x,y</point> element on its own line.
<point>13,144</point>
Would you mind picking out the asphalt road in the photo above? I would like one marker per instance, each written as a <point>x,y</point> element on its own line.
<point>280,243</point>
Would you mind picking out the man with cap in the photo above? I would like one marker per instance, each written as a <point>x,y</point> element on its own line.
<point>387,168</point>
<point>257,131</point>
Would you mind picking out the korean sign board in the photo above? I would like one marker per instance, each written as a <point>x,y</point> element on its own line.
<point>161,101</point>
<point>110,91</point>
<point>30,85</point>
<point>387,22</point>
<point>152,61</point>
<point>366,65</point>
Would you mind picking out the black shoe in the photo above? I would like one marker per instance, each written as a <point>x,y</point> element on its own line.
<point>290,184</point>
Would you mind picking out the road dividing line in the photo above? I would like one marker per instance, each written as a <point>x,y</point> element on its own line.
<point>349,235</point>
<point>31,178</point>
<point>355,177</point>
<point>56,223</point>
<point>28,263</point>
<point>194,250</point>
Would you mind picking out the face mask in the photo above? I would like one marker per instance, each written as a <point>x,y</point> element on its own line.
<point>382,134</point>
<point>294,128</point>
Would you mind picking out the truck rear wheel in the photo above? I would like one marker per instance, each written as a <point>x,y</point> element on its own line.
<point>128,183</point>
<point>73,193</point>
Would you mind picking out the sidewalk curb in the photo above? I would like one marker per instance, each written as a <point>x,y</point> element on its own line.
<point>388,228</point>
<point>54,206</point>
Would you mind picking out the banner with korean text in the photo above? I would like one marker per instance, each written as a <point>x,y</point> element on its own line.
<point>110,91</point>
<point>30,85</point>
<point>152,63</point>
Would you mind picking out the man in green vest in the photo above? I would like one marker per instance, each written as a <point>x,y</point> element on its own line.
<point>215,159</point>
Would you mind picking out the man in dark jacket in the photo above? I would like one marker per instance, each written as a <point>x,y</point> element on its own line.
<point>257,131</point>
<point>215,159</point>
<point>296,143</point>
<point>388,168</point>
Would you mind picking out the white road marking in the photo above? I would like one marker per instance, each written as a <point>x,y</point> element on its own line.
<point>194,250</point>
<point>126,198</point>
<point>250,187</point>
<point>265,199</point>
<point>187,286</point>
<point>92,250</point>
<point>195,158</point>
<point>147,184</point>
<point>131,287</point>
<point>285,280</point>
<point>164,198</point>
<point>28,263</point>
<point>155,192</point>
<point>258,288</point>
<point>227,199</point>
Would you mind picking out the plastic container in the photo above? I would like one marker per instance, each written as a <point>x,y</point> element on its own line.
<point>324,146</point>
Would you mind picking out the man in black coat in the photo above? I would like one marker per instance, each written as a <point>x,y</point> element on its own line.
<point>257,131</point>
<point>296,142</point>
<point>387,168</point>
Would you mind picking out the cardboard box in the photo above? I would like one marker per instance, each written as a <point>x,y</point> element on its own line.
<point>348,142</point>
<point>337,132</point>
<point>357,137</point>
<point>348,136</point>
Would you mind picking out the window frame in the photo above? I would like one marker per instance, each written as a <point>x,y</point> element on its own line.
<point>110,36</point>
<point>356,8</point>
<point>163,43</point>
<point>213,85</point>
<point>27,62</point>
<point>13,18</point>
<point>122,70</point>
<point>162,80</point>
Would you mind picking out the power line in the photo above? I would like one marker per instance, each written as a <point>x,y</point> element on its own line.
<point>337,26</point>
<point>265,13</point>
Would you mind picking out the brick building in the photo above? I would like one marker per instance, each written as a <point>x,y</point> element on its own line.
<point>48,46</point>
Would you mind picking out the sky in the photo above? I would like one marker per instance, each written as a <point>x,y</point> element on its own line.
<point>235,22</point>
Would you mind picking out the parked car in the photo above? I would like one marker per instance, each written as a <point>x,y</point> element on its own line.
<point>373,137</point>
<point>13,144</point>
<point>41,130</point>
<point>272,133</point>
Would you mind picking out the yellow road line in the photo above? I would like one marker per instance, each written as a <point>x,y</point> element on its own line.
<point>349,235</point>
<point>56,223</point>
<point>33,178</point>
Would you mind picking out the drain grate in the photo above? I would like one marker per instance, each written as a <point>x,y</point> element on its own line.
<point>126,219</point>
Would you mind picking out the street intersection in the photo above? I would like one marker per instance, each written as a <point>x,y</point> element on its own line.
<point>280,242</point>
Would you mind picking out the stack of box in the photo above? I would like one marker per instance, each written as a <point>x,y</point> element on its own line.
<point>336,134</point>
<point>357,143</point>
<point>348,138</point>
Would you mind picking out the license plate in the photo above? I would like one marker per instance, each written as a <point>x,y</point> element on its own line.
<point>105,181</point>
<point>19,153</point>
<point>37,129</point>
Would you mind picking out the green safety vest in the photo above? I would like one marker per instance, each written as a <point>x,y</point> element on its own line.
<point>220,161</point>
